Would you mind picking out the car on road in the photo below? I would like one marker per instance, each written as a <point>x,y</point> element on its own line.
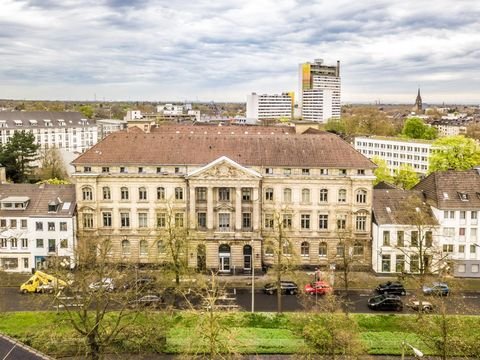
<point>152,300</point>
<point>386,302</point>
<point>106,284</point>
<point>319,288</point>
<point>391,287</point>
<point>425,306</point>
<point>437,288</point>
<point>287,287</point>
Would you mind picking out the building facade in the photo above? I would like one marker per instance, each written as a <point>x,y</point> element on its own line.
<point>455,200</point>
<point>108,126</point>
<point>68,131</point>
<point>319,91</point>
<point>37,222</point>
<point>396,151</point>
<point>403,230</point>
<point>270,106</point>
<point>228,192</point>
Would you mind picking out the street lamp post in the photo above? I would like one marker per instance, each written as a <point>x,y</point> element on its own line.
<point>417,352</point>
<point>253,277</point>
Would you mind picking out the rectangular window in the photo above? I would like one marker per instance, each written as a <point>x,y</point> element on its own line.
<point>400,263</point>
<point>246,194</point>
<point>287,171</point>
<point>25,263</point>
<point>428,239</point>
<point>268,171</point>
<point>287,221</point>
<point>140,170</point>
<point>39,226</point>
<point>462,215</point>
<point>13,243</point>
<point>269,195</point>
<point>361,223</point>
<point>179,219</point>
<point>448,248</point>
<point>63,226</point>
<point>268,221</point>
<point>400,238</point>
<point>224,194</point>
<point>246,221</point>
<point>474,268</point>
<point>24,243</point>
<point>105,169</point>
<point>461,249</point>
<point>88,221</point>
<point>461,231</point>
<point>122,169</point>
<point>178,193</point>
<point>323,222</point>
<point>386,238</point>
<point>23,223</point>
<point>52,246</point>
<point>201,194</point>
<point>473,215</point>
<point>63,243</point>
<point>414,238</point>
<point>142,220</point>
<point>386,263</point>
<point>473,249</point>
<point>51,226</point>
<point>124,219</point>
<point>161,220</point>
<point>323,171</point>
<point>448,231</point>
<point>224,222</point>
<point>305,171</point>
<point>341,222</point>
<point>107,219</point>
<point>3,223</point>
<point>202,220</point>
<point>305,221</point>
<point>39,243</point>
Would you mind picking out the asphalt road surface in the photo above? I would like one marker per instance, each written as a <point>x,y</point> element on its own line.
<point>460,303</point>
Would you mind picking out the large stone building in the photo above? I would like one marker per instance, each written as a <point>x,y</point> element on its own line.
<point>226,190</point>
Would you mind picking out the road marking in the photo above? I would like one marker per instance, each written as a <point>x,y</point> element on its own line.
<point>470,297</point>
<point>365,295</point>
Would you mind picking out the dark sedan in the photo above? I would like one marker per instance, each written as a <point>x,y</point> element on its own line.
<point>386,302</point>
<point>287,287</point>
<point>391,287</point>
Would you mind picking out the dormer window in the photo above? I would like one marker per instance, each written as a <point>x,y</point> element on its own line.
<point>61,122</point>
<point>47,122</point>
<point>33,122</point>
<point>3,124</point>
<point>18,122</point>
<point>52,207</point>
<point>445,196</point>
<point>87,169</point>
<point>342,172</point>
<point>14,203</point>
<point>463,196</point>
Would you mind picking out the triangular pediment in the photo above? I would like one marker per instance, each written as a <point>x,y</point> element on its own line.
<point>224,168</point>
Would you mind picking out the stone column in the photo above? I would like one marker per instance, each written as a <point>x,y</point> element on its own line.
<point>256,213</point>
<point>238,208</point>
<point>192,202</point>
<point>209,208</point>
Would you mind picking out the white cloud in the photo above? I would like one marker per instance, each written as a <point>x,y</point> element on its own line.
<point>152,50</point>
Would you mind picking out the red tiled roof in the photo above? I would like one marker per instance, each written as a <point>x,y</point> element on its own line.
<point>138,148</point>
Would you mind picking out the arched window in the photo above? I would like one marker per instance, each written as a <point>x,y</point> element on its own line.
<point>342,195</point>
<point>361,196</point>
<point>160,247</point>
<point>106,193</point>
<point>305,196</point>
<point>268,251</point>
<point>160,193</point>
<point>287,195</point>
<point>125,247</point>
<point>87,193</point>
<point>322,249</point>
<point>142,193</point>
<point>143,248</point>
<point>124,193</point>
<point>305,249</point>
<point>323,195</point>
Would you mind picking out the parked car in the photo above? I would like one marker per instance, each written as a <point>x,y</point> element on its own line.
<point>386,302</point>
<point>319,287</point>
<point>105,284</point>
<point>151,300</point>
<point>436,289</point>
<point>391,287</point>
<point>426,306</point>
<point>288,287</point>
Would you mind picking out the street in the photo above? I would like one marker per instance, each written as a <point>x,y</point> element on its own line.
<point>460,303</point>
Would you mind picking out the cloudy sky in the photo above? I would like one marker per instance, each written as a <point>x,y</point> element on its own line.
<point>222,50</point>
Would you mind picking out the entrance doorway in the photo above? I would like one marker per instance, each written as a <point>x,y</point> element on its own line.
<point>224,258</point>
<point>247,258</point>
<point>201,258</point>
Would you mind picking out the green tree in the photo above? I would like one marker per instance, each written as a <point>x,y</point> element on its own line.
<point>406,177</point>
<point>454,153</point>
<point>86,110</point>
<point>52,165</point>
<point>382,172</point>
<point>18,154</point>
<point>415,128</point>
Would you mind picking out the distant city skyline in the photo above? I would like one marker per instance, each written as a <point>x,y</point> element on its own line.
<point>176,51</point>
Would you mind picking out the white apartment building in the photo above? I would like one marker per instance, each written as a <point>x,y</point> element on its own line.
<point>170,109</point>
<point>69,131</point>
<point>396,151</point>
<point>108,126</point>
<point>451,127</point>
<point>267,106</point>
<point>397,244</point>
<point>320,91</point>
<point>37,223</point>
<point>455,200</point>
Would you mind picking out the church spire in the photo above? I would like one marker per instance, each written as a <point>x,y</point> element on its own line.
<point>418,103</point>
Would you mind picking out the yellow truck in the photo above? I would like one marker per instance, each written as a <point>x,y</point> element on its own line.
<point>42,282</point>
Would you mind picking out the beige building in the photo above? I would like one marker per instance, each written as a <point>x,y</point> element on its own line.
<point>226,190</point>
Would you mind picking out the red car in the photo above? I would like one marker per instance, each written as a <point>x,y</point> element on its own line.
<point>319,287</point>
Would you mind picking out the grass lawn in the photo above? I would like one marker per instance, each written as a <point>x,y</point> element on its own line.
<point>260,333</point>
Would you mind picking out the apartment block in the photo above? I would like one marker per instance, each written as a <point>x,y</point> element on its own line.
<point>266,106</point>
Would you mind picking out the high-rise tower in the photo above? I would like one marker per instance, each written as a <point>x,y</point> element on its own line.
<point>319,91</point>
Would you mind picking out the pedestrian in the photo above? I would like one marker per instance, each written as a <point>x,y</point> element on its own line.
<point>318,274</point>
